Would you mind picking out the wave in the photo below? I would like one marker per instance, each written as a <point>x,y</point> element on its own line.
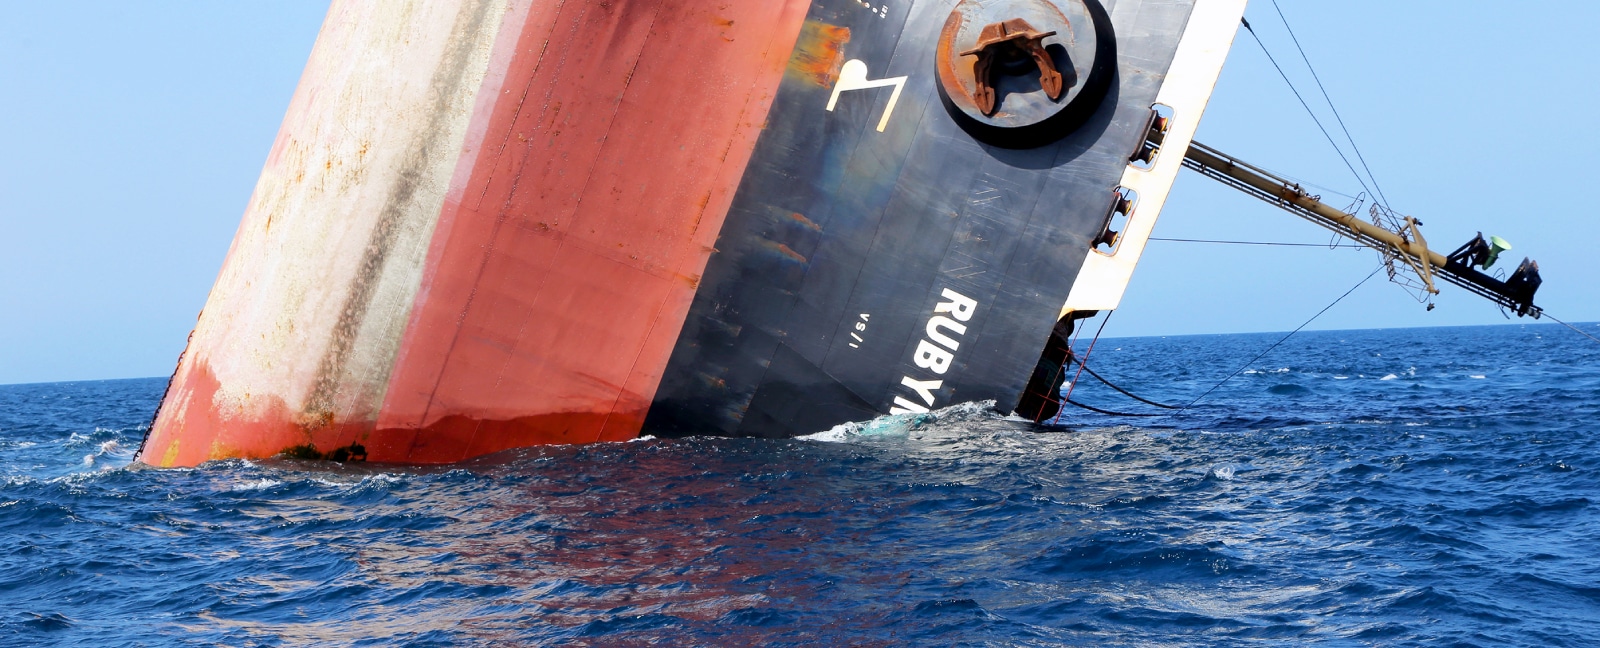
<point>903,424</point>
<point>1254,517</point>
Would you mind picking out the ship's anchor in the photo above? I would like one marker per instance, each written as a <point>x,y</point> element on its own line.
<point>1021,74</point>
<point>1006,41</point>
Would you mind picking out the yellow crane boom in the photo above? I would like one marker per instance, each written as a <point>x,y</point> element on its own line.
<point>1401,242</point>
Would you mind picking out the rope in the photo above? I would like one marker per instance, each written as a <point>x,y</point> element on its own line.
<point>1377,189</point>
<point>1579,331</point>
<point>1083,366</point>
<point>1077,332</point>
<point>1320,245</point>
<point>1102,411</point>
<point>1119,389</point>
<point>1070,353</point>
<point>1307,106</point>
<point>1284,339</point>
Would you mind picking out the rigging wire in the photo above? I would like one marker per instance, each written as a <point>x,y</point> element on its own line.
<point>1282,340</point>
<point>1103,411</point>
<point>1070,352</point>
<point>1303,104</point>
<point>1319,245</point>
<point>1377,189</point>
<point>1124,392</point>
<point>1320,188</point>
<point>1574,328</point>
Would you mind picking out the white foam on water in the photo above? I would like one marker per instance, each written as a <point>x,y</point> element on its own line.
<point>836,434</point>
<point>82,476</point>
<point>387,479</point>
<point>114,448</point>
<point>259,484</point>
<point>898,424</point>
<point>881,426</point>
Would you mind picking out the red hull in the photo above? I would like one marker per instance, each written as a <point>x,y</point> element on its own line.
<point>562,261</point>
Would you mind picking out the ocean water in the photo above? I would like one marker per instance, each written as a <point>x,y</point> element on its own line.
<point>1401,487</point>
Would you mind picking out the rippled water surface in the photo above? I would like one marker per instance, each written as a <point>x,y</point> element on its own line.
<point>1352,488</point>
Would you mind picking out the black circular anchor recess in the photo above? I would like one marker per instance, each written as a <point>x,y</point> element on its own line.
<point>1024,73</point>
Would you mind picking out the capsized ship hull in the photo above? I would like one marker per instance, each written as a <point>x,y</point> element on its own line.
<point>489,224</point>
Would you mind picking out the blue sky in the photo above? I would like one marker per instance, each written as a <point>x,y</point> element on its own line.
<point>1471,117</point>
<point>134,132</point>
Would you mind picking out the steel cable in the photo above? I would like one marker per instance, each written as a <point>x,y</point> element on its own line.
<point>1320,245</point>
<point>1574,328</point>
<point>1124,392</point>
<point>1307,106</point>
<point>1377,190</point>
<point>1104,411</point>
<point>1281,341</point>
<point>1071,352</point>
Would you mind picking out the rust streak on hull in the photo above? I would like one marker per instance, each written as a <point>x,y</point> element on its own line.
<point>609,138</point>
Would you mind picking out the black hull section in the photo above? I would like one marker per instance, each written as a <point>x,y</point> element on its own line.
<point>862,272</point>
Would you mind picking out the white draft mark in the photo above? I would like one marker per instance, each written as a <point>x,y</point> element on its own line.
<point>853,76</point>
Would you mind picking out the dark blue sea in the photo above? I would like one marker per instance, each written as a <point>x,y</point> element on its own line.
<point>1386,487</point>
